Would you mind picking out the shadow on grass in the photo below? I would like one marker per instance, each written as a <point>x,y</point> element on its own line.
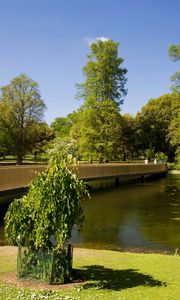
<point>105,278</point>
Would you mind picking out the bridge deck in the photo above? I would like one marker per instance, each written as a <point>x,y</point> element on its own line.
<point>14,177</point>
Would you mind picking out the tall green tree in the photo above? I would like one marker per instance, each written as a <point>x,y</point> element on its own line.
<point>174,134</point>
<point>154,123</point>
<point>103,92</point>
<point>128,141</point>
<point>174,53</point>
<point>20,107</point>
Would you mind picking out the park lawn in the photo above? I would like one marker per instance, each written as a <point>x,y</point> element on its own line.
<point>106,275</point>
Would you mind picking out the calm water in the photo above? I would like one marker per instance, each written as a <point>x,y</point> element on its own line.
<point>133,217</point>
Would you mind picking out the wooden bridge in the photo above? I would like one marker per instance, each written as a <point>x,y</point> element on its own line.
<point>16,177</point>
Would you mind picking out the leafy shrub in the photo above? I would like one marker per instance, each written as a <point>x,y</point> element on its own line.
<point>43,220</point>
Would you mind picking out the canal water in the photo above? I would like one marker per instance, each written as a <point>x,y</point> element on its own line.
<point>133,217</point>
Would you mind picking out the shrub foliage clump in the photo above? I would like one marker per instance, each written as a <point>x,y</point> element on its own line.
<point>42,221</point>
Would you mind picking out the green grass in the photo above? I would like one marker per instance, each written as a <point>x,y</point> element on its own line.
<point>107,275</point>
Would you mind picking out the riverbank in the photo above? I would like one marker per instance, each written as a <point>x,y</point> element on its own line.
<point>100,274</point>
<point>174,172</point>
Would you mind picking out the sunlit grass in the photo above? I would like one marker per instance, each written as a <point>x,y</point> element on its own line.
<point>105,275</point>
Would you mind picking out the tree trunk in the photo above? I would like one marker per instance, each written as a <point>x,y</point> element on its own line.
<point>171,157</point>
<point>19,160</point>
<point>20,153</point>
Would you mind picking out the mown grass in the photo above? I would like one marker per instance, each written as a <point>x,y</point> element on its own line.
<point>106,275</point>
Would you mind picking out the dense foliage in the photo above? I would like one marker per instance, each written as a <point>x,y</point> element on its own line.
<point>102,91</point>
<point>174,53</point>
<point>43,220</point>
<point>45,217</point>
<point>21,108</point>
<point>153,132</point>
<point>62,126</point>
<point>155,123</point>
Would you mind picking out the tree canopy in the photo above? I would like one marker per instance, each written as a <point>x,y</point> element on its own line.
<point>103,92</point>
<point>62,125</point>
<point>154,122</point>
<point>21,107</point>
<point>104,76</point>
<point>174,53</point>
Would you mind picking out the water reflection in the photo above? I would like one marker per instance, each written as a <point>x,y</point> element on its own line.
<point>142,216</point>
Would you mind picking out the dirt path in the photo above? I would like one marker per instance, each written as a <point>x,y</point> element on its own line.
<point>8,250</point>
<point>10,277</point>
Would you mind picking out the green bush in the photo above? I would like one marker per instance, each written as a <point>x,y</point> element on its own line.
<point>43,220</point>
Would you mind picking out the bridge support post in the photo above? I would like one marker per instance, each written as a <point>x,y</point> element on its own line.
<point>142,179</point>
<point>117,181</point>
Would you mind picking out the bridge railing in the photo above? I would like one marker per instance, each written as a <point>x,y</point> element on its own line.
<point>95,171</point>
<point>14,177</point>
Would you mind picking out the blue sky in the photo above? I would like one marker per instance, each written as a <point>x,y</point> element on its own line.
<point>47,40</point>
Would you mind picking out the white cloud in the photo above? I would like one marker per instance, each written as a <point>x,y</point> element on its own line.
<point>90,40</point>
<point>102,39</point>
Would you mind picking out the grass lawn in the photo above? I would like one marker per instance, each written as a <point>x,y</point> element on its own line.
<point>106,275</point>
